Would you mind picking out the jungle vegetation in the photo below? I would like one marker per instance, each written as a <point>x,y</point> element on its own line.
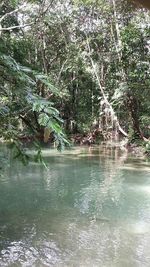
<point>73,68</point>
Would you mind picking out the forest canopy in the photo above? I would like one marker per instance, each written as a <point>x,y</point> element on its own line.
<point>71,67</point>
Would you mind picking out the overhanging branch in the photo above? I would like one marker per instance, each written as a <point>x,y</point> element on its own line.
<point>16,27</point>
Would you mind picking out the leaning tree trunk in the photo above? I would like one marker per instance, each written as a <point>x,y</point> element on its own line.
<point>112,114</point>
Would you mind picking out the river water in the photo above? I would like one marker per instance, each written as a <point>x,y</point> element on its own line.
<point>89,208</point>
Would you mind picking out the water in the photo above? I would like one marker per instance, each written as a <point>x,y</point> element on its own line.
<point>90,208</point>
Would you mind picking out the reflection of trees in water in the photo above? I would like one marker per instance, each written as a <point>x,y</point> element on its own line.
<point>105,197</point>
<point>101,201</point>
<point>105,185</point>
<point>77,204</point>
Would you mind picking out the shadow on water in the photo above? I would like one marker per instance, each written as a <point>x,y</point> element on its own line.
<point>91,207</point>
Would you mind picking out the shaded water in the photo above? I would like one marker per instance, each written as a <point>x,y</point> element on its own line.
<point>90,208</point>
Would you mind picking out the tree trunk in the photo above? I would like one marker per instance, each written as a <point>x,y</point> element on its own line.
<point>132,104</point>
<point>105,100</point>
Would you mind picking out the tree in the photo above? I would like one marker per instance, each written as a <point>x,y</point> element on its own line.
<point>25,110</point>
<point>96,55</point>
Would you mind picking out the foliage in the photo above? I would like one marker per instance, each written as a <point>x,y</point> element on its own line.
<point>21,103</point>
<point>47,81</point>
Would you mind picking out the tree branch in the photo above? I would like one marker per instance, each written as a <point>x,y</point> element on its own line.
<point>61,70</point>
<point>16,27</point>
<point>28,123</point>
<point>11,13</point>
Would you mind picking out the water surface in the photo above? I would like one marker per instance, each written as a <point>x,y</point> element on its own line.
<point>89,208</point>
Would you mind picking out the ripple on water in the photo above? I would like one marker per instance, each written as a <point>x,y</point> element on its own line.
<point>90,212</point>
<point>45,253</point>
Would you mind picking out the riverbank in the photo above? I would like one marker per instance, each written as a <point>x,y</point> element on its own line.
<point>95,137</point>
<point>137,148</point>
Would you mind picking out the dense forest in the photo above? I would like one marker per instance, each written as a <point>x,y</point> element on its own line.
<point>73,70</point>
